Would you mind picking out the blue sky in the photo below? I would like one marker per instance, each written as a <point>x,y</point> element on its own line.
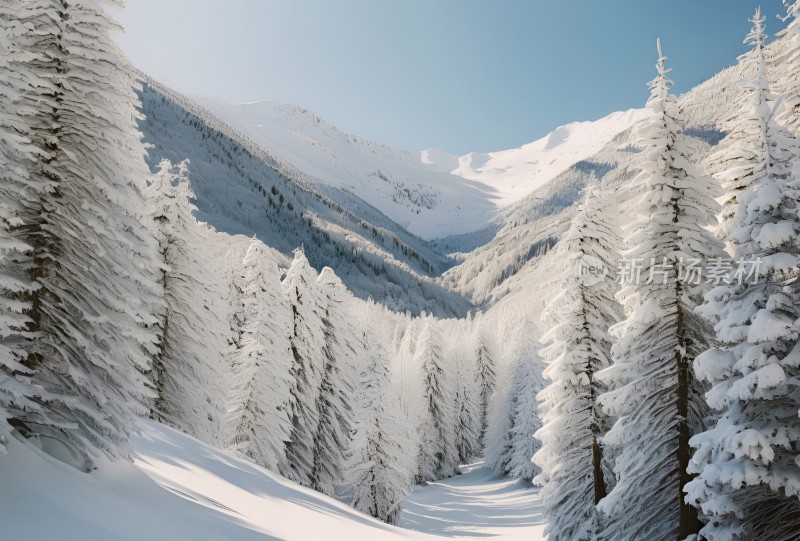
<point>461,75</point>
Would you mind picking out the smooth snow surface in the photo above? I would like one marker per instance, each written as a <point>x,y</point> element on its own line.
<point>476,504</point>
<point>180,489</point>
<point>515,173</point>
<point>431,193</point>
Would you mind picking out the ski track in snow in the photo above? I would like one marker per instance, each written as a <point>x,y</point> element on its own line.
<point>180,489</point>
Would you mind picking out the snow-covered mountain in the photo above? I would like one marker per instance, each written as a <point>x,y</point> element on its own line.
<point>515,173</point>
<point>432,193</point>
<point>242,189</point>
<point>510,272</point>
<point>427,201</point>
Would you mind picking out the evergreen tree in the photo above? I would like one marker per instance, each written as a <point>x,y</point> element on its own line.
<point>307,340</point>
<point>513,412</point>
<point>383,463</point>
<point>406,355</point>
<point>485,373</point>
<point>190,393</point>
<point>438,457</point>
<point>579,347</point>
<point>332,438</point>
<point>526,421</point>
<point>258,421</point>
<point>499,448</point>
<point>658,401</point>
<point>749,473</point>
<point>93,260</point>
<point>18,192</point>
<point>468,423</point>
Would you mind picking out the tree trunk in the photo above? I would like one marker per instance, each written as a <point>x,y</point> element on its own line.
<point>599,480</point>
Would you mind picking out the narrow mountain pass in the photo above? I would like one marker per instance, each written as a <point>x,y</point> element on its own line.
<point>477,503</point>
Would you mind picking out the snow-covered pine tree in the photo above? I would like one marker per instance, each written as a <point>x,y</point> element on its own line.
<point>93,258</point>
<point>383,463</point>
<point>486,373</point>
<point>748,469</point>
<point>525,413</point>
<point>438,457</point>
<point>653,392</point>
<point>258,421</point>
<point>578,347</point>
<point>406,353</point>
<point>513,411</point>
<point>18,192</point>
<point>190,393</point>
<point>334,403</point>
<point>468,422</point>
<point>307,340</point>
<point>499,449</point>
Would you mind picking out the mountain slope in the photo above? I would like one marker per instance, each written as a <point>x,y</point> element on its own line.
<point>515,173</point>
<point>432,193</point>
<point>510,272</point>
<point>241,189</point>
<point>426,201</point>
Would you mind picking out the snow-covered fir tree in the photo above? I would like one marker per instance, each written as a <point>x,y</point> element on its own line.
<point>334,403</point>
<point>499,450</point>
<point>748,469</point>
<point>307,339</point>
<point>18,193</point>
<point>438,457</point>
<point>653,392</point>
<point>525,414</point>
<point>486,375</point>
<point>258,422</point>
<point>513,411</point>
<point>195,334</point>
<point>407,371</point>
<point>578,347</point>
<point>383,464</point>
<point>93,259</point>
<point>468,422</point>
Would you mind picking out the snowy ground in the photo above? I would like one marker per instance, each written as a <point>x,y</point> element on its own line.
<point>476,504</point>
<point>182,490</point>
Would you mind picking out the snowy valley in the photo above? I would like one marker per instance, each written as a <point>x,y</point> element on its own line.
<point>230,321</point>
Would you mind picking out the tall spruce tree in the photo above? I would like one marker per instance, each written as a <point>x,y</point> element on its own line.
<point>258,420</point>
<point>486,373</point>
<point>194,342</point>
<point>525,414</point>
<point>499,446</point>
<point>384,462</point>
<point>468,422</point>
<point>438,457</point>
<point>658,401</point>
<point>579,347</point>
<point>93,259</point>
<point>307,340</point>
<point>334,403</point>
<point>749,473</point>
<point>18,193</point>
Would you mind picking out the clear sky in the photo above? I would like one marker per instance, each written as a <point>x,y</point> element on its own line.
<point>461,75</point>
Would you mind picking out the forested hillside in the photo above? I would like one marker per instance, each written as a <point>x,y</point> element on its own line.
<point>241,189</point>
